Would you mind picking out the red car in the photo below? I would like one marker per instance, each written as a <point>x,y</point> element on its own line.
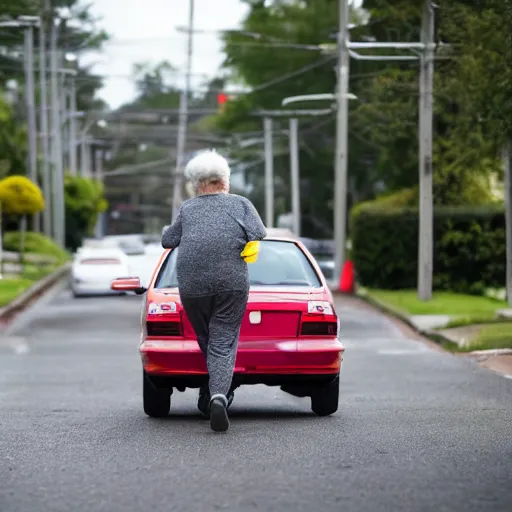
<point>288,338</point>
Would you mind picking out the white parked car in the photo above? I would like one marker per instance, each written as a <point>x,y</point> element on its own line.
<point>94,269</point>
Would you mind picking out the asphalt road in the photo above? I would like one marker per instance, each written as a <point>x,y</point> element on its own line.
<point>417,430</point>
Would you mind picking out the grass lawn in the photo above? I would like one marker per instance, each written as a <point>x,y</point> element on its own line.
<point>10,288</point>
<point>492,336</point>
<point>467,307</point>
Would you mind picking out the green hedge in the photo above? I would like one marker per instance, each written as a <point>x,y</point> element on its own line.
<point>35,243</point>
<point>469,248</point>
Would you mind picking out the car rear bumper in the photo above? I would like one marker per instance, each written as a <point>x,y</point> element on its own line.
<point>93,289</point>
<point>283,357</point>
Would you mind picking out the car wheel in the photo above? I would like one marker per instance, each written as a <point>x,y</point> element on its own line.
<point>157,402</point>
<point>324,399</point>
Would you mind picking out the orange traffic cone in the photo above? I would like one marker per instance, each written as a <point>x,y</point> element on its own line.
<point>347,280</point>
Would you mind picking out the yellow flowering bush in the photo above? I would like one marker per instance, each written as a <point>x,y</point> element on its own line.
<point>20,196</point>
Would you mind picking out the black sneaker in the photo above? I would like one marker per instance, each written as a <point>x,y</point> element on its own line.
<point>219,421</point>
<point>203,402</point>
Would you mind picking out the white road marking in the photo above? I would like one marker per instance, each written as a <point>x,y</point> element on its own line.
<point>17,344</point>
<point>402,352</point>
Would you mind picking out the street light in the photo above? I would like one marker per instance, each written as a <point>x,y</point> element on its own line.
<point>314,97</point>
<point>294,145</point>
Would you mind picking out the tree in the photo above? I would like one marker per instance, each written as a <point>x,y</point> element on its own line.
<point>155,85</point>
<point>383,123</point>
<point>482,35</point>
<point>84,200</point>
<point>272,69</point>
<point>13,142</point>
<point>20,196</point>
<point>78,34</point>
<point>466,140</point>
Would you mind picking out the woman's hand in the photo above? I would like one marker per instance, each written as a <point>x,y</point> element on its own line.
<point>251,251</point>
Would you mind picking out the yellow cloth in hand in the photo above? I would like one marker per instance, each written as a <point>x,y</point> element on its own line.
<point>251,251</point>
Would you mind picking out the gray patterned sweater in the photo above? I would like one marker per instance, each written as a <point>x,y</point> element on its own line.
<point>211,231</point>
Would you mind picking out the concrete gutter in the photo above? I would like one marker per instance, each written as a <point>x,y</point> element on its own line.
<point>33,293</point>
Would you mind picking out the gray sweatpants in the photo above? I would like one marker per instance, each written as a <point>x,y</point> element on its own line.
<point>216,320</point>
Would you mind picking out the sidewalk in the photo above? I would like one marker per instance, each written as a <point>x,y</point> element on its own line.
<point>435,328</point>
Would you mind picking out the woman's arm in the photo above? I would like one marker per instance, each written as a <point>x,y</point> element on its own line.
<point>172,235</point>
<point>254,226</point>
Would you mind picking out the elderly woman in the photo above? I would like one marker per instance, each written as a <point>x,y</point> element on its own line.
<point>211,231</point>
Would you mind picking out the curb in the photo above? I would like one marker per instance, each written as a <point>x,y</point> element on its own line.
<point>388,310</point>
<point>434,336</point>
<point>484,354</point>
<point>34,292</point>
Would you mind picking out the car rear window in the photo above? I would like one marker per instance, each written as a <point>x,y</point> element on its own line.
<point>279,263</point>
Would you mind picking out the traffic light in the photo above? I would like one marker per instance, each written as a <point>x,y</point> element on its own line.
<point>222,99</point>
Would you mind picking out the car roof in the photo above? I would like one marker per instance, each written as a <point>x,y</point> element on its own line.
<point>100,252</point>
<point>281,234</point>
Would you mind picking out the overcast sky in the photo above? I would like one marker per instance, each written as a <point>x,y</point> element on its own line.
<point>145,30</point>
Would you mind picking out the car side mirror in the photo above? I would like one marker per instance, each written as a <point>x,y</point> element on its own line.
<point>128,284</point>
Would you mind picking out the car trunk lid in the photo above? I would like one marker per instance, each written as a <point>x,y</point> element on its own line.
<point>274,315</point>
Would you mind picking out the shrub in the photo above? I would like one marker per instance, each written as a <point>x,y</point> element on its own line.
<point>20,196</point>
<point>84,201</point>
<point>407,197</point>
<point>35,243</point>
<point>469,247</point>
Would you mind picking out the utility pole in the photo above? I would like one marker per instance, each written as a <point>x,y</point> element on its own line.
<point>340,164</point>
<point>45,135</point>
<point>98,156</point>
<point>292,116</point>
<point>31,110</point>
<point>64,117</point>
<point>58,178</point>
<point>426,220</point>
<point>294,174</point>
<point>346,49</point>
<point>507,161</point>
<point>72,127</point>
<point>269,172</point>
<point>183,120</point>
<point>84,157</point>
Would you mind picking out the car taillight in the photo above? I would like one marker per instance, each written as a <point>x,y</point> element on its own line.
<point>326,328</point>
<point>164,328</point>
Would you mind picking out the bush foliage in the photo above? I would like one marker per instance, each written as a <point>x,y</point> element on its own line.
<point>469,247</point>
<point>20,196</point>
<point>35,243</point>
<point>84,201</point>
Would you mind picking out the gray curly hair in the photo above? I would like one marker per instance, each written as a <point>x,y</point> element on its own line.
<point>208,168</point>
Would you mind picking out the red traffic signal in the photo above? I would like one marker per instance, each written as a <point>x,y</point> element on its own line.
<point>222,98</point>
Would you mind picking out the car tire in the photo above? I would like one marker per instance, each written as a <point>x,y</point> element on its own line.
<point>324,399</point>
<point>157,402</point>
